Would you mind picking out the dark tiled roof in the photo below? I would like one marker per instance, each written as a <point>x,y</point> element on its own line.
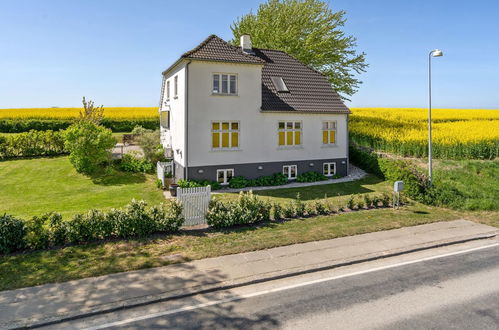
<point>309,90</point>
<point>216,49</point>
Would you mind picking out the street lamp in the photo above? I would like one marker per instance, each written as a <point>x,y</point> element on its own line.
<point>433,53</point>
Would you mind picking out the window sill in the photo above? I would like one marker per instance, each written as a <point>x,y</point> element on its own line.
<point>329,146</point>
<point>225,149</point>
<point>290,147</point>
<point>223,94</point>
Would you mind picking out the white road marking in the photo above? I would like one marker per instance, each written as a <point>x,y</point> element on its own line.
<point>264,292</point>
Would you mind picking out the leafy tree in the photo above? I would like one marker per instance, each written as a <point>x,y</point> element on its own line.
<point>89,145</point>
<point>91,113</point>
<point>153,150</point>
<point>309,31</point>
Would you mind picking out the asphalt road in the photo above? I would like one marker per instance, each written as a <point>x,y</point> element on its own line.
<point>454,292</point>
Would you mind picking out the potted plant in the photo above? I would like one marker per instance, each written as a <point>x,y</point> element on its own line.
<point>173,189</point>
<point>168,180</point>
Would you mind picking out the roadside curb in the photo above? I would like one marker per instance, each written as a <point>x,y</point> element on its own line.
<point>240,282</point>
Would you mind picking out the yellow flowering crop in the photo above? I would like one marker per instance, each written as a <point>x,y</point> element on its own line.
<point>457,133</point>
<point>64,113</point>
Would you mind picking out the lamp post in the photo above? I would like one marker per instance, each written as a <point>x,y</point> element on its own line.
<point>433,53</point>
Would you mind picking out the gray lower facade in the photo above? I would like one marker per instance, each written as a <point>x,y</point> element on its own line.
<point>255,170</point>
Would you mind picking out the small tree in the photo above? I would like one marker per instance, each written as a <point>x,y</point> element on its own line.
<point>91,113</point>
<point>149,142</point>
<point>89,145</point>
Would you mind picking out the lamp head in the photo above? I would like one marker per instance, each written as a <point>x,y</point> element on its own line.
<point>437,53</point>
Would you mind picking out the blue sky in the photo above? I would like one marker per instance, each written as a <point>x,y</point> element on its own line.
<point>54,52</point>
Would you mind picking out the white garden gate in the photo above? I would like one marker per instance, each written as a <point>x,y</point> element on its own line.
<point>163,168</point>
<point>195,203</point>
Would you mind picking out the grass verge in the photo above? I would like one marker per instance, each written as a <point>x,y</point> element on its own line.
<point>95,259</point>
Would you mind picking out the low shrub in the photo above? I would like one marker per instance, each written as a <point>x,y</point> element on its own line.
<point>247,209</point>
<point>198,183</point>
<point>132,163</point>
<point>277,179</point>
<point>238,182</point>
<point>321,207</point>
<point>311,176</point>
<point>350,202</point>
<point>367,201</point>
<point>299,206</point>
<point>12,233</point>
<point>277,211</point>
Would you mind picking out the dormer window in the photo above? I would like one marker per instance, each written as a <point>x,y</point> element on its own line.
<point>224,84</point>
<point>279,84</point>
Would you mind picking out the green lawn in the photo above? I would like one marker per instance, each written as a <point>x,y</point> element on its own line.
<point>95,259</point>
<point>31,187</point>
<point>335,192</point>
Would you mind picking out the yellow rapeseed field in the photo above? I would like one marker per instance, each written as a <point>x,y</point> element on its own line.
<point>65,113</point>
<point>457,133</point>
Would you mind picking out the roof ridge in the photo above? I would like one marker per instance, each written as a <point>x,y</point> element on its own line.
<point>198,47</point>
<point>236,49</point>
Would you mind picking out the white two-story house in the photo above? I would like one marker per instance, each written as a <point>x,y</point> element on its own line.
<point>241,111</point>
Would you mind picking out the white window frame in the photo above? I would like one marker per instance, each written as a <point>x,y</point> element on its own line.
<point>230,131</point>
<point>326,126</point>
<point>168,90</point>
<point>329,166</point>
<point>229,84</point>
<point>225,170</point>
<point>289,171</point>
<point>175,87</point>
<point>286,130</point>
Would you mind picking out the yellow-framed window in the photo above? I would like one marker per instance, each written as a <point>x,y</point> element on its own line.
<point>289,133</point>
<point>224,134</point>
<point>328,132</point>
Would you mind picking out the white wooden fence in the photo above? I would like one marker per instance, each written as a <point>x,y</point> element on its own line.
<point>195,204</point>
<point>162,168</point>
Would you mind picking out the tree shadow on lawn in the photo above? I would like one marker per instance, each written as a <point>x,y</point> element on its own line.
<point>113,177</point>
<point>321,191</point>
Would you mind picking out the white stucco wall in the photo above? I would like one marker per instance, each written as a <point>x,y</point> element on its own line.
<point>258,137</point>
<point>176,106</point>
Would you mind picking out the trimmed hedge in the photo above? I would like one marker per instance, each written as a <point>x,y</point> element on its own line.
<point>31,144</point>
<point>248,209</point>
<point>135,220</point>
<point>116,125</point>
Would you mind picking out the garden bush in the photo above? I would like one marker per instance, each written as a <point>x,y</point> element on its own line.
<point>311,176</point>
<point>12,233</point>
<point>88,145</point>
<point>238,182</point>
<point>132,163</point>
<point>32,144</point>
<point>247,209</point>
<point>199,183</point>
